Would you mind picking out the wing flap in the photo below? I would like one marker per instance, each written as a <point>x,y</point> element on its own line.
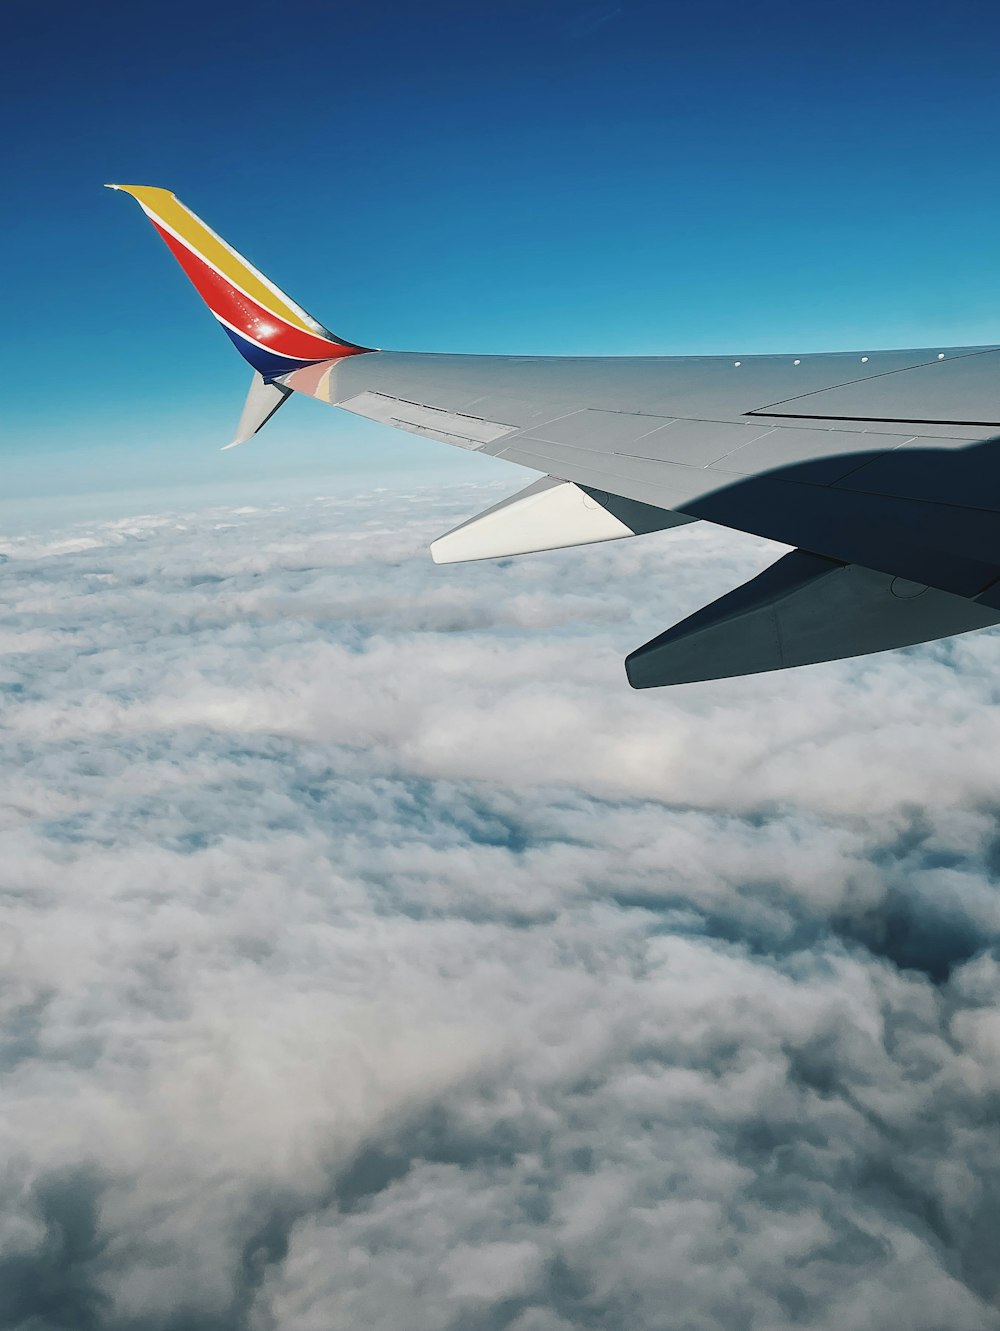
<point>802,610</point>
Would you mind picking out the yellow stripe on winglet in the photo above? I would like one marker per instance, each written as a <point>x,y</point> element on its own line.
<point>166,208</point>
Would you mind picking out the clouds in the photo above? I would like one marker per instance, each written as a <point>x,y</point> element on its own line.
<point>371,955</point>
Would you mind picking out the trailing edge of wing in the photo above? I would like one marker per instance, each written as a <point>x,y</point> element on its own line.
<point>802,610</point>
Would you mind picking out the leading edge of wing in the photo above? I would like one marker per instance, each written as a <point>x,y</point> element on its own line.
<point>960,386</point>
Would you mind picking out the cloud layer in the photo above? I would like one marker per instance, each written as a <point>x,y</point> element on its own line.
<point>372,956</point>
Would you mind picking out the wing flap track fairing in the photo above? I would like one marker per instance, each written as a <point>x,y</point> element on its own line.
<point>550,514</point>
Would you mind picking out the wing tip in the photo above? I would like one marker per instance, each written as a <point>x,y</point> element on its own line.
<point>143,194</point>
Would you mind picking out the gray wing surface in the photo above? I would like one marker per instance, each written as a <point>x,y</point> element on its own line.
<point>887,463</point>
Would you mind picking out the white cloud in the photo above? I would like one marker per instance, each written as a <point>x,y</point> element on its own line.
<point>372,956</point>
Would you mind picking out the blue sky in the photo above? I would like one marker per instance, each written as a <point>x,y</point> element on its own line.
<point>557,177</point>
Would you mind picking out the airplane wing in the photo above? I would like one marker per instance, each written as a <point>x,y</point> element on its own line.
<point>880,467</point>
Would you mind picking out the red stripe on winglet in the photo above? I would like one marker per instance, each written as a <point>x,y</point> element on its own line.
<point>246,316</point>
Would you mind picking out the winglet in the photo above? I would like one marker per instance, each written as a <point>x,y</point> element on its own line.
<point>273,333</point>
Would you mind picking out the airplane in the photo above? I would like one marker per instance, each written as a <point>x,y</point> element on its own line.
<point>881,468</point>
